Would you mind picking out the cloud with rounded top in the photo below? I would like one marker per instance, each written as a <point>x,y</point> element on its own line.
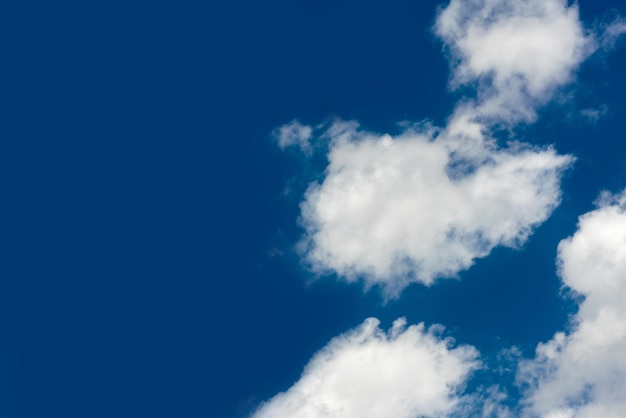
<point>425,204</point>
<point>582,372</point>
<point>516,53</point>
<point>396,210</point>
<point>369,373</point>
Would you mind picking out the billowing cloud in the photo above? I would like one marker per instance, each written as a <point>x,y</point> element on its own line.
<point>369,373</point>
<point>582,373</point>
<point>413,208</point>
<point>516,52</point>
<point>426,203</point>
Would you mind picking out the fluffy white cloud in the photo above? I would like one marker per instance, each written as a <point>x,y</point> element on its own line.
<point>367,373</point>
<point>582,373</point>
<point>518,52</point>
<point>294,134</point>
<point>413,208</point>
<point>427,203</point>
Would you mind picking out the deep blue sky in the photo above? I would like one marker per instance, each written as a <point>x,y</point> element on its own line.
<point>148,266</point>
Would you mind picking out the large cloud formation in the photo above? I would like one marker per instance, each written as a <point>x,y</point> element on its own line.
<point>426,203</point>
<point>582,373</point>
<point>369,373</point>
<point>393,210</point>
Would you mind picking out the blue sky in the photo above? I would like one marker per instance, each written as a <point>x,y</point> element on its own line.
<point>168,250</point>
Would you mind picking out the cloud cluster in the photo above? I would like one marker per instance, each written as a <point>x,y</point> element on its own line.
<point>424,204</point>
<point>582,373</point>
<point>412,372</point>
<point>428,202</point>
<point>369,373</point>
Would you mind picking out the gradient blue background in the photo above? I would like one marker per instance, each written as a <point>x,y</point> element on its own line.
<point>147,266</point>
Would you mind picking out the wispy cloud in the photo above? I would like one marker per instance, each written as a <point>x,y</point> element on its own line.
<point>612,32</point>
<point>294,134</point>
<point>593,115</point>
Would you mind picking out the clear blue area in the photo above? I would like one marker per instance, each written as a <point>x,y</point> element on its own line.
<point>147,263</point>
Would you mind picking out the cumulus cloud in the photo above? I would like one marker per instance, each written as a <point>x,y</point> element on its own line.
<point>517,53</point>
<point>428,202</point>
<point>294,134</point>
<point>582,373</point>
<point>369,373</point>
<point>413,208</point>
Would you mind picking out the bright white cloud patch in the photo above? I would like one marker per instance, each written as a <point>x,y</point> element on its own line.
<point>582,373</point>
<point>426,204</point>
<point>367,373</point>
<point>519,52</point>
<point>410,208</point>
<point>294,134</point>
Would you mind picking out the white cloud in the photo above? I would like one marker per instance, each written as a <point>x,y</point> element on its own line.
<point>294,134</point>
<point>367,373</point>
<point>582,373</point>
<point>413,208</point>
<point>517,52</point>
<point>426,203</point>
<point>392,210</point>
